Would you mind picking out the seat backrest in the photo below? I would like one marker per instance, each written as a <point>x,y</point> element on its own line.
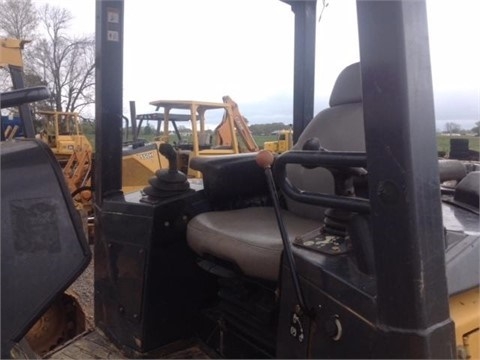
<point>339,128</point>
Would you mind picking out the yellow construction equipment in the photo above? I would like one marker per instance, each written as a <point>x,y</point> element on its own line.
<point>62,132</point>
<point>141,159</point>
<point>223,134</point>
<point>11,59</point>
<point>11,54</point>
<point>283,143</point>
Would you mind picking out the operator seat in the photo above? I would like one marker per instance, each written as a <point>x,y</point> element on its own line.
<point>249,238</point>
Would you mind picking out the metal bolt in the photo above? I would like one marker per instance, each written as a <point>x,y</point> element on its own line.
<point>297,309</point>
<point>293,331</point>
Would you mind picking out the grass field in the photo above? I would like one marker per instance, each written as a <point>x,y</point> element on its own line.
<point>443,142</point>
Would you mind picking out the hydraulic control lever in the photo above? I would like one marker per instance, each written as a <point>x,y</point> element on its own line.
<point>169,152</point>
<point>167,182</point>
<point>345,220</point>
<point>343,175</point>
<point>265,160</point>
<point>343,165</point>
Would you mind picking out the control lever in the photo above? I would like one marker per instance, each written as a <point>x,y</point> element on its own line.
<point>343,177</point>
<point>167,182</point>
<point>345,215</point>
<point>265,160</point>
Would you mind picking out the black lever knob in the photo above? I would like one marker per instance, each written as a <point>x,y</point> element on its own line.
<point>169,152</point>
<point>167,182</point>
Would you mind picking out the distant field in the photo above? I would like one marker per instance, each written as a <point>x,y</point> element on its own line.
<point>260,139</point>
<point>443,142</point>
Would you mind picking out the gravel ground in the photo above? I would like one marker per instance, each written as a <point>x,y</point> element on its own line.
<point>82,290</point>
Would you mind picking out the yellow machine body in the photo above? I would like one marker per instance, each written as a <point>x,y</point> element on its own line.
<point>61,131</point>
<point>283,143</point>
<point>465,312</point>
<point>138,167</point>
<point>11,52</point>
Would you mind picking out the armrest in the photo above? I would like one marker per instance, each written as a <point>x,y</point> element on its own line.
<point>228,177</point>
<point>451,170</point>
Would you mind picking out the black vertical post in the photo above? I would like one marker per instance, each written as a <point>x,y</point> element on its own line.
<point>133,120</point>
<point>403,180</point>
<point>108,93</point>
<point>18,82</point>
<point>304,66</point>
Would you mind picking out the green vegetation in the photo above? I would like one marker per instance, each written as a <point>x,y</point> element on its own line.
<point>260,139</point>
<point>266,129</point>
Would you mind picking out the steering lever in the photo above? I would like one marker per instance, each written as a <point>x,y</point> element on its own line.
<point>265,160</point>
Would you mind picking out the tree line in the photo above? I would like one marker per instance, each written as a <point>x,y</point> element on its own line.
<point>53,57</point>
<point>256,129</point>
<point>455,128</point>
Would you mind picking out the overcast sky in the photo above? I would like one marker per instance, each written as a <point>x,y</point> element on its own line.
<point>202,50</point>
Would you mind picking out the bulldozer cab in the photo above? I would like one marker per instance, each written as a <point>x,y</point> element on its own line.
<point>384,295</point>
<point>346,246</point>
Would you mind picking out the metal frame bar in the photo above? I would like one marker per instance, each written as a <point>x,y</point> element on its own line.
<point>18,82</point>
<point>304,63</point>
<point>404,186</point>
<point>109,97</point>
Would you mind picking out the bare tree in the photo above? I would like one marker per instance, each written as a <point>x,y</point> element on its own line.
<point>66,63</point>
<point>452,128</point>
<point>56,59</point>
<point>18,19</point>
<point>476,128</point>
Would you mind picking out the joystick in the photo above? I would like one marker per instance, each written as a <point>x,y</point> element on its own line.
<point>167,182</point>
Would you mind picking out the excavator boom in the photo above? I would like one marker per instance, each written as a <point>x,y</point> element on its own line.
<point>240,125</point>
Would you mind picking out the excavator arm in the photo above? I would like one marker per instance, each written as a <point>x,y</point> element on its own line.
<point>222,131</point>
